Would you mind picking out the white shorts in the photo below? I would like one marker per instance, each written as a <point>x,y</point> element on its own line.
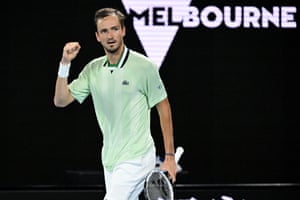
<point>126,181</point>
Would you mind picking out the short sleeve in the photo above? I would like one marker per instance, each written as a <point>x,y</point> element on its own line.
<point>155,89</point>
<point>79,87</point>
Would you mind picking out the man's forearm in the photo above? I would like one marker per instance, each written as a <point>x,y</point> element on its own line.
<point>164,111</point>
<point>62,96</point>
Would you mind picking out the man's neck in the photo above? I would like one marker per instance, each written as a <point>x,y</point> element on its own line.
<point>114,58</point>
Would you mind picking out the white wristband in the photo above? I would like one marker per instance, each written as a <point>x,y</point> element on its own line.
<point>63,70</point>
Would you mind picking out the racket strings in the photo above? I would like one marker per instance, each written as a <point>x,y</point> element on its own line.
<point>158,187</point>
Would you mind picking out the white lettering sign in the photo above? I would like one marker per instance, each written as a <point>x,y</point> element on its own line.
<point>157,21</point>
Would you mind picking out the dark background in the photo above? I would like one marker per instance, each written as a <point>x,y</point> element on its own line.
<point>233,92</point>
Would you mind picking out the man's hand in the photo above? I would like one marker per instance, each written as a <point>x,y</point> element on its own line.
<point>170,166</point>
<point>70,51</point>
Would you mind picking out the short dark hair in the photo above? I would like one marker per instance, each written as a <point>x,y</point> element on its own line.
<point>104,12</point>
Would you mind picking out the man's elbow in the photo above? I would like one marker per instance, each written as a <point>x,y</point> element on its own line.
<point>59,103</point>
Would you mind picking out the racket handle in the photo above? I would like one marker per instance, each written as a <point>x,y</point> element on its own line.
<point>178,153</point>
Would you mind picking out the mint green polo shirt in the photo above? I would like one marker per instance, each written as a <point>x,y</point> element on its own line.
<point>122,96</point>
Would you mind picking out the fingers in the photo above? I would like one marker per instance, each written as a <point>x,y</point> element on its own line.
<point>73,50</point>
<point>172,177</point>
<point>170,166</point>
<point>70,51</point>
<point>170,173</point>
<point>72,47</point>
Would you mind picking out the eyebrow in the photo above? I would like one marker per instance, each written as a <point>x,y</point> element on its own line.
<point>112,27</point>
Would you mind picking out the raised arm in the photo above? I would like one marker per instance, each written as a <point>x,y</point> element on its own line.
<point>166,123</point>
<point>62,96</point>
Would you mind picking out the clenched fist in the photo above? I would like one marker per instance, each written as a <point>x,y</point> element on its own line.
<point>70,51</point>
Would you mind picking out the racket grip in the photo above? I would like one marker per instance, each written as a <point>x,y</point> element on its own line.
<point>178,153</point>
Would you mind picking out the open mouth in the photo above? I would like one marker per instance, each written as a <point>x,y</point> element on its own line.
<point>111,42</point>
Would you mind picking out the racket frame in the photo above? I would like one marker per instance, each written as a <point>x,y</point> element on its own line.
<point>162,174</point>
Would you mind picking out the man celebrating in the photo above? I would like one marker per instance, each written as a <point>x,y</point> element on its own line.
<point>124,86</point>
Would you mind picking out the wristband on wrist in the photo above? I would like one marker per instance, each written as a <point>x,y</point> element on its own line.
<point>169,154</point>
<point>63,70</point>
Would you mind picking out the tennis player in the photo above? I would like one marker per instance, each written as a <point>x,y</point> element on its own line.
<point>124,86</point>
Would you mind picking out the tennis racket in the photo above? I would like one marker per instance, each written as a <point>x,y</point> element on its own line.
<point>157,185</point>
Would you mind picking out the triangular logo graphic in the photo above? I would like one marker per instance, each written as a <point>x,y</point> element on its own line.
<point>151,24</point>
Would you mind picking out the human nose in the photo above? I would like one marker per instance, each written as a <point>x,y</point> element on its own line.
<point>110,34</point>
